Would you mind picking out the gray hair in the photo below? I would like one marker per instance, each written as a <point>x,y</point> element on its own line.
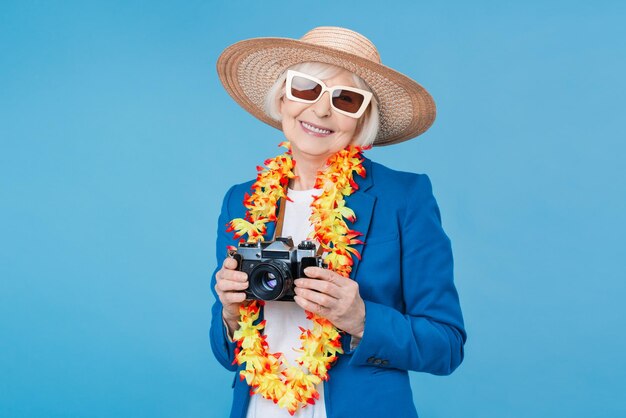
<point>369,127</point>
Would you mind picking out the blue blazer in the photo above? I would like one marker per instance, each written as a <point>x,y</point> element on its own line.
<point>413,319</point>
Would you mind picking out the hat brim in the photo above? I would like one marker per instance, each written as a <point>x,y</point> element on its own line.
<point>249,68</point>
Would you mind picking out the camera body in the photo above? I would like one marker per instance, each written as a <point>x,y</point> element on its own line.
<point>272,266</point>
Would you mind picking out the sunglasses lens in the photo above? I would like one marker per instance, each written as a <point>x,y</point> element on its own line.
<point>305,89</point>
<point>348,101</point>
<point>308,90</point>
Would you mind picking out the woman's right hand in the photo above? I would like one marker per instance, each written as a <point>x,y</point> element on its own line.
<point>230,286</point>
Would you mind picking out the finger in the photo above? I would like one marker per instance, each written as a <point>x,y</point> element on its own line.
<point>233,297</point>
<point>317,273</point>
<point>230,285</point>
<point>229,263</point>
<point>316,297</point>
<point>322,286</point>
<point>324,274</point>
<point>307,305</point>
<point>234,275</point>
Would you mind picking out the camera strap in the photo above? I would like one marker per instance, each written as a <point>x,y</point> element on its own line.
<point>282,204</point>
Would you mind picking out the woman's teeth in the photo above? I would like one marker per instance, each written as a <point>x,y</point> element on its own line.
<point>315,129</point>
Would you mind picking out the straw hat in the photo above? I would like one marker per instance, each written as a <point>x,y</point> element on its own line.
<point>249,68</point>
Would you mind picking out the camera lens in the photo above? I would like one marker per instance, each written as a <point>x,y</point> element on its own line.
<point>270,280</point>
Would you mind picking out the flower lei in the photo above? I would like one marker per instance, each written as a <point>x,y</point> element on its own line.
<point>292,387</point>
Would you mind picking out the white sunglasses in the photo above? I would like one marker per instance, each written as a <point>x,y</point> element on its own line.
<point>348,101</point>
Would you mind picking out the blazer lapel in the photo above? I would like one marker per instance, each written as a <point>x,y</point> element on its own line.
<point>362,204</point>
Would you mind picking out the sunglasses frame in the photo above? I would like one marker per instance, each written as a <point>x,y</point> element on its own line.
<point>367,96</point>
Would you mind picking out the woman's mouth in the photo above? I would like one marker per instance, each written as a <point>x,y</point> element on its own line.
<point>315,130</point>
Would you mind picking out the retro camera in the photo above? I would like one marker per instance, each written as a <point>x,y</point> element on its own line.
<point>272,266</point>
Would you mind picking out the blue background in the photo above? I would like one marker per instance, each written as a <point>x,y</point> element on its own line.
<point>118,143</point>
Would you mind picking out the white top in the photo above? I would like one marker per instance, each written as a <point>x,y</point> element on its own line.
<point>284,318</point>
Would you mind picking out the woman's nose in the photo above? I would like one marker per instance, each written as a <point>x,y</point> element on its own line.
<point>321,108</point>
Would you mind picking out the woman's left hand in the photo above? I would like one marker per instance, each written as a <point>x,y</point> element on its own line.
<point>333,297</point>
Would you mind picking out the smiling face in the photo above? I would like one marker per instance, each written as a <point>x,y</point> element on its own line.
<point>316,131</point>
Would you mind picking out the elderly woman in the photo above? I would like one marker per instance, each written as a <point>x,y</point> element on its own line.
<point>338,340</point>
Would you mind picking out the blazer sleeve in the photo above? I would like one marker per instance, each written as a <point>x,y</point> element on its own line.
<point>429,334</point>
<point>223,348</point>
